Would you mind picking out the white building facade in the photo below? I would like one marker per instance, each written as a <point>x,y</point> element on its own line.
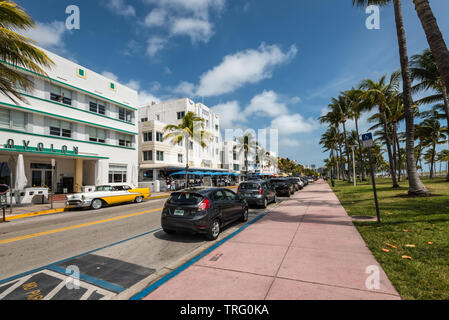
<point>84,121</point>
<point>158,158</point>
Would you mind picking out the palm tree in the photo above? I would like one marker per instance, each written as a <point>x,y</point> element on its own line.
<point>433,134</point>
<point>379,94</point>
<point>329,141</point>
<point>416,187</point>
<point>17,50</point>
<point>424,69</point>
<point>434,38</point>
<point>247,144</point>
<point>191,129</point>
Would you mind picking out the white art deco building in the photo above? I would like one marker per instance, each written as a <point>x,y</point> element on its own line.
<point>84,121</point>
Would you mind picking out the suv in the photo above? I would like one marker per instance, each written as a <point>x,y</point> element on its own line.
<point>257,192</point>
<point>283,186</point>
<point>295,183</point>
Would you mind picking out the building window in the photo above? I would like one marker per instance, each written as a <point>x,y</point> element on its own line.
<point>61,95</point>
<point>180,157</point>
<point>125,115</point>
<point>60,128</point>
<point>148,136</point>
<point>97,106</point>
<point>191,145</point>
<point>125,140</point>
<point>181,115</point>
<point>97,135</point>
<point>216,127</point>
<point>159,155</point>
<point>148,175</point>
<point>236,167</point>
<point>235,156</point>
<point>159,136</point>
<point>117,174</point>
<point>158,117</point>
<point>148,155</point>
<point>144,120</point>
<point>13,119</point>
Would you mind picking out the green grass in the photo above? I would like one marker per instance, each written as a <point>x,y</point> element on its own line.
<point>425,219</point>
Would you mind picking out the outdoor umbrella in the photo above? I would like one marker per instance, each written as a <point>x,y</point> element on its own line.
<point>179,173</point>
<point>21,180</point>
<point>197,173</point>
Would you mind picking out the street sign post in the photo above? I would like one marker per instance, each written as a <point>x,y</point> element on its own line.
<point>369,143</point>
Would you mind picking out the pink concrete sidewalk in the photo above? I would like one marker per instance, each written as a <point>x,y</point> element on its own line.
<point>307,248</point>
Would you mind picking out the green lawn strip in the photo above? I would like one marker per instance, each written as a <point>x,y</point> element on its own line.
<point>423,219</point>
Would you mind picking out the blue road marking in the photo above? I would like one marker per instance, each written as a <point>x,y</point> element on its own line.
<point>80,255</point>
<point>174,273</point>
<point>97,282</point>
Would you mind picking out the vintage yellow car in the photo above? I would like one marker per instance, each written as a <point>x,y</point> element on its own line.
<point>107,195</point>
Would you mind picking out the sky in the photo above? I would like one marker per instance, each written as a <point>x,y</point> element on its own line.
<point>258,63</point>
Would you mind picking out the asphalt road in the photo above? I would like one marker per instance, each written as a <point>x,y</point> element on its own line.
<point>117,251</point>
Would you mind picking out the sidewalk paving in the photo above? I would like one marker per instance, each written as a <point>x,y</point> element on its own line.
<point>305,249</point>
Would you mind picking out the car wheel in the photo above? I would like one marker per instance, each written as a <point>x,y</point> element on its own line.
<point>244,217</point>
<point>138,199</point>
<point>96,204</point>
<point>275,199</point>
<point>214,230</point>
<point>167,231</point>
<point>265,203</point>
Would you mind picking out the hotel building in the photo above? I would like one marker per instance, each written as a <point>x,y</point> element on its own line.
<point>158,158</point>
<point>84,121</point>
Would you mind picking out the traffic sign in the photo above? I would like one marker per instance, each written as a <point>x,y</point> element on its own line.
<point>367,139</point>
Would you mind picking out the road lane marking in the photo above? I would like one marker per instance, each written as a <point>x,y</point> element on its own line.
<point>44,233</point>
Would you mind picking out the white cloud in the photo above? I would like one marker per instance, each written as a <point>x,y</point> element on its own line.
<point>156,18</point>
<point>185,88</point>
<point>198,8</point>
<point>48,35</point>
<point>288,143</point>
<point>236,70</point>
<point>266,104</point>
<point>146,98</point>
<point>230,114</point>
<point>155,44</point>
<point>110,75</point>
<point>197,29</point>
<point>133,84</point>
<point>293,123</point>
<point>120,8</point>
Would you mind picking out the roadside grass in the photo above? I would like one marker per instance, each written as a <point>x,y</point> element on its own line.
<point>420,222</point>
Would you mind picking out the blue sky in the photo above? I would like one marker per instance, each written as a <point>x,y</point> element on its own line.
<point>259,63</point>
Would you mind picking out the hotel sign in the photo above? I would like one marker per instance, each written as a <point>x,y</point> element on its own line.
<point>25,147</point>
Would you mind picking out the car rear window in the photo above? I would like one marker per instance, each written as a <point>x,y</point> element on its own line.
<point>249,186</point>
<point>185,198</point>
<point>278,181</point>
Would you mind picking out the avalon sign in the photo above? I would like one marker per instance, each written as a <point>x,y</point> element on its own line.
<point>10,144</point>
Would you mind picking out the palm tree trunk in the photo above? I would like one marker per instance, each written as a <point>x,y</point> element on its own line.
<point>187,163</point>
<point>399,155</point>
<point>434,38</point>
<point>348,157</point>
<point>390,155</point>
<point>432,160</point>
<point>446,110</point>
<point>397,148</point>
<point>362,161</point>
<point>416,187</point>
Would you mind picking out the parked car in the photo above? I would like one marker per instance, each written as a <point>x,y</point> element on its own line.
<point>283,187</point>
<point>300,182</point>
<point>295,183</point>
<point>107,195</point>
<point>310,180</point>
<point>257,192</point>
<point>203,210</point>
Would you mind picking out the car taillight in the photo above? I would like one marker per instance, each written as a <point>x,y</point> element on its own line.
<point>260,191</point>
<point>204,205</point>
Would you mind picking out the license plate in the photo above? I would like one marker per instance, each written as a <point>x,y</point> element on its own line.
<point>178,212</point>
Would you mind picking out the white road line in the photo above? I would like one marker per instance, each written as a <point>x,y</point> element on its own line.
<point>15,286</point>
